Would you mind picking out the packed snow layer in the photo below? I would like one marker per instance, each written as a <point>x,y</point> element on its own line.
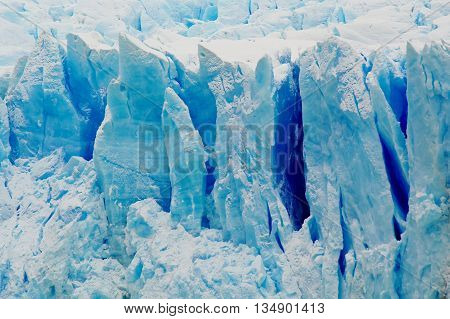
<point>224,149</point>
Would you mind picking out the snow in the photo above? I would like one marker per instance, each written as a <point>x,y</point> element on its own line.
<point>123,171</point>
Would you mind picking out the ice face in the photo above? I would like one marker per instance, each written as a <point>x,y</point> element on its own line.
<point>347,191</point>
<point>42,116</point>
<point>66,230</point>
<point>428,120</point>
<point>186,159</point>
<point>221,149</point>
<point>132,125</point>
<point>4,132</point>
<point>91,65</point>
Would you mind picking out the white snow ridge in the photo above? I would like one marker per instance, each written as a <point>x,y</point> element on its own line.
<point>224,148</point>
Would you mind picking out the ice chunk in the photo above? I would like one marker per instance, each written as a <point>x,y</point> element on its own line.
<point>429,118</point>
<point>42,116</point>
<point>347,186</point>
<point>243,194</point>
<point>233,11</point>
<point>91,65</point>
<point>387,85</point>
<point>428,145</point>
<point>186,161</point>
<point>4,132</point>
<point>129,152</point>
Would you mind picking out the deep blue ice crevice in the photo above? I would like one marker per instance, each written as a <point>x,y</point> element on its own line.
<point>288,161</point>
<point>347,241</point>
<point>192,88</point>
<point>398,270</point>
<point>269,219</point>
<point>278,239</point>
<point>314,230</point>
<point>397,179</point>
<point>393,83</point>
<point>387,88</point>
<point>90,66</point>
<point>5,147</point>
<point>210,176</point>
<point>244,193</point>
<point>346,178</point>
<point>398,229</point>
<point>347,253</point>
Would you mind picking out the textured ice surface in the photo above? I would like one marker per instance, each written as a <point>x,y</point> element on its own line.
<point>124,171</point>
<point>186,159</point>
<point>42,116</point>
<point>4,132</point>
<point>91,65</point>
<point>171,262</point>
<point>135,102</point>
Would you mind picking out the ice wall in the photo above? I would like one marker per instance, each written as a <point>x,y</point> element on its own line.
<point>42,116</point>
<point>4,132</point>
<point>276,153</point>
<point>423,254</point>
<point>90,66</point>
<point>57,221</point>
<point>347,186</point>
<point>186,159</point>
<point>129,151</point>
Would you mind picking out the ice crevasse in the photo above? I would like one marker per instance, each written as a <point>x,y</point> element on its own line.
<point>124,171</point>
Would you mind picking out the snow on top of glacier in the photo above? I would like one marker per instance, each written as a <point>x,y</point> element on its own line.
<point>144,47</point>
<point>364,24</point>
<point>93,40</point>
<point>186,49</point>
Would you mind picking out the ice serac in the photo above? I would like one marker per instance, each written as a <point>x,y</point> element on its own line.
<point>192,88</point>
<point>248,207</point>
<point>42,116</point>
<point>4,84</point>
<point>4,132</point>
<point>186,158</point>
<point>90,66</point>
<point>347,186</point>
<point>386,82</point>
<point>129,152</point>
<point>423,254</point>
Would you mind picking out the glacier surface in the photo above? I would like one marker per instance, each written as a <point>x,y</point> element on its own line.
<point>224,149</point>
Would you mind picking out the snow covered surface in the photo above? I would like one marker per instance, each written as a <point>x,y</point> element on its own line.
<point>119,177</point>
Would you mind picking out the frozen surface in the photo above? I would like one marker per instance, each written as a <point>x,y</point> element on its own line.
<point>224,149</point>
<point>41,113</point>
<point>4,132</point>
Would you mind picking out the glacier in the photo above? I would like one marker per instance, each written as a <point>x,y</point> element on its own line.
<point>224,149</point>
